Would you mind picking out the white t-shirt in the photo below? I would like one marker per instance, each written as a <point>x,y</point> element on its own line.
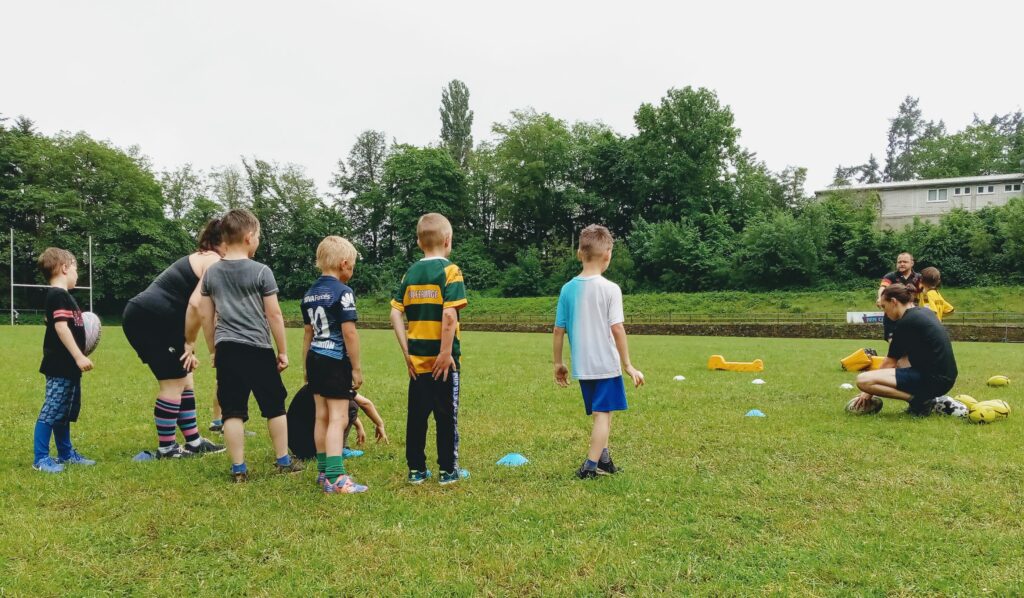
<point>588,307</point>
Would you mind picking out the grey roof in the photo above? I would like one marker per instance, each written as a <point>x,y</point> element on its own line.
<point>929,183</point>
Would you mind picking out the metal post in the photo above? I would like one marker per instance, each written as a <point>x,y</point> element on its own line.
<point>12,277</point>
<point>90,272</point>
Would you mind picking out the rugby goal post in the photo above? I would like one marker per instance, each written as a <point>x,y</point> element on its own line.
<point>44,286</point>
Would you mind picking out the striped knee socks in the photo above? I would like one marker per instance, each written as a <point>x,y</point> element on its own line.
<point>166,415</point>
<point>187,416</point>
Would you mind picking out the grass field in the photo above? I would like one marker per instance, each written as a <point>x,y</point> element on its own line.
<point>808,501</point>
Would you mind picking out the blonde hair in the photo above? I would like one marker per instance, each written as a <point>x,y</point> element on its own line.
<point>52,259</point>
<point>432,229</point>
<point>332,251</point>
<point>236,224</point>
<point>595,240</point>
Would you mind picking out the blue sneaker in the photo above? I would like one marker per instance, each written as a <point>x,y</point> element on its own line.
<point>47,465</point>
<point>418,477</point>
<point>348,453</point>
<point>452,477</point>
<point>76,458</point>
<point>344,485</point>
<point>321,479</point>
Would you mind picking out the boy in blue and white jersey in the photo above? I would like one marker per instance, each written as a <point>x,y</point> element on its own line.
<point>590,312</point>
<point>331,353</point>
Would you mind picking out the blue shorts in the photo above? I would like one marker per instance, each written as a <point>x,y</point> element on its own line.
<point>915,383</point>
<point>605,394</point>
<point>63,401</point>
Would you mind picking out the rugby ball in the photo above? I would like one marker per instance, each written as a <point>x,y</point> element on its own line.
<point>982,415</point>
<point>998,381</point>
<point>967,400</point>
<point>872,406</point>
<point>92,331</point>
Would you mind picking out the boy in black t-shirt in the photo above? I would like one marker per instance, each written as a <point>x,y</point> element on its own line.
<point>63,364</point>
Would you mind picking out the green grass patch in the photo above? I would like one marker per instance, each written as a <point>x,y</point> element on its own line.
<point>808,501</point>
<point>977,299</point>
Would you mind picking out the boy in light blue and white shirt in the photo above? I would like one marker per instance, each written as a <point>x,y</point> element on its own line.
<point>590,312</point>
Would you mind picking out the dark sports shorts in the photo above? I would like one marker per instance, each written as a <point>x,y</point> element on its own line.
<point>244,369</point>
<point>63,401</point>
<point>917,384</point>
<point>605,394</point>
<point>329,378</point>
<point>158,341</point>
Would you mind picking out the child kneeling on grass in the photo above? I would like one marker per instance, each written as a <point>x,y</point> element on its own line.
<point>590,312</point>
<point>331,353</point>
<point>63,364</point>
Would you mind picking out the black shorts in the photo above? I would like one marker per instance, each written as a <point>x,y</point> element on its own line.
<point>919,385</point>
<point>244,369</point>
<point>329,378</point>
<point>158,341</point>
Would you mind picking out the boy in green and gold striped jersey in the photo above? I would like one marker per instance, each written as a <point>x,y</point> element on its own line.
<point>430,296</point>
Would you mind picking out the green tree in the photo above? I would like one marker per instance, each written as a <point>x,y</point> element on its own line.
<point>361,196</point>
<point>227,188</point>
<point>904,131</point>
<point>482,184</point>
<point>181,189</point>
<point>793,179</point>
<point>457,121</point>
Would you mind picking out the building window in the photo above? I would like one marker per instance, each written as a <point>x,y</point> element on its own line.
<point>956,191</point>
<point>982,190</point>
<point>1012,187</point>
<point>937,195</point>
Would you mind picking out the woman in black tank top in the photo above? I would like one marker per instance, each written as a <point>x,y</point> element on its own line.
<point>157,323</point>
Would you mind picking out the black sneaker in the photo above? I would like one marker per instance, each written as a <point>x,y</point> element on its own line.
<point>921,406</point>
<point>217,428</point>
<point>585,474</point>
<point>293,467</point>
<point>175,452</point>
<point>240,477</point>
<point>205,447</point>
<point>606,468</point>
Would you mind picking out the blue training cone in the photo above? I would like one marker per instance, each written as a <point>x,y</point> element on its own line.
<point>755,413</point>
<point>144,456</point>
<point>513,460</point>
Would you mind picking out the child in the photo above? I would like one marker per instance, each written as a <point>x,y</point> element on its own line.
<point>63,364</point>
<point>241,296</point>
<point>430,295</point>
<point>931,280</point>
<point>590,311</point>
<point>330,351</point>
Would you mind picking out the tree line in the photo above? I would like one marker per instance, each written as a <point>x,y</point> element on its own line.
<point>691,208</point>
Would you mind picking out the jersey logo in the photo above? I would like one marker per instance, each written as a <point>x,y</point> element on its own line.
<point>348,301</point>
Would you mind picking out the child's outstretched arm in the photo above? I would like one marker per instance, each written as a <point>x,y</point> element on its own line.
<point>68,340</point>
<point>272,309</point>
<point>561,372</point>
<point>360,431</point>
<point>619,334</point>
<point>398,325</point>
<point>351,336</point>
<point>378,422</point>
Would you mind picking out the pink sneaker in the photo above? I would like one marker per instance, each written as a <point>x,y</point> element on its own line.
<point>344,485</point>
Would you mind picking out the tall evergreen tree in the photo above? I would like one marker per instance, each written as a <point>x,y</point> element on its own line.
<point>869,173</point>
<point>457,121</point>
<point>904,131</point>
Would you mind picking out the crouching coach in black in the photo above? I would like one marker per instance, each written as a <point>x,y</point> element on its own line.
<point>920,365</point>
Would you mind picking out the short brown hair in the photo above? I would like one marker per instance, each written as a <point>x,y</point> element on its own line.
<point>432,229</point>
<point>236,223</point>
<point>900,292</point>
<point>931,277</point>
<point>333,250</point>
<point>51,260</point>
<point>595,240</point>
<point>209,237</point>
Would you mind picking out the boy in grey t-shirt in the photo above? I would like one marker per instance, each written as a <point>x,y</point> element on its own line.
<point>241,295</point>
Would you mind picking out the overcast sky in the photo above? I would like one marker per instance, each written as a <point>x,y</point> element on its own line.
<point>811,83</point>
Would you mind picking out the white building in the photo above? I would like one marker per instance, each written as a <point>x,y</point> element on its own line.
<point>900,203</point>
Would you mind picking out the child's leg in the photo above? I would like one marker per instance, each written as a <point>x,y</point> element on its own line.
<point>599,435</point>
<point>420,405</point>
<point>56,407</point>
<point>446,420</point>
<point>62,428</point>
<point>337,420</point>
<point>166,410</point>
<point>218,415</point>
<point>278,428</point>
<point>187,415</point>
<point>320,433</point>
<point>234,437</point>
